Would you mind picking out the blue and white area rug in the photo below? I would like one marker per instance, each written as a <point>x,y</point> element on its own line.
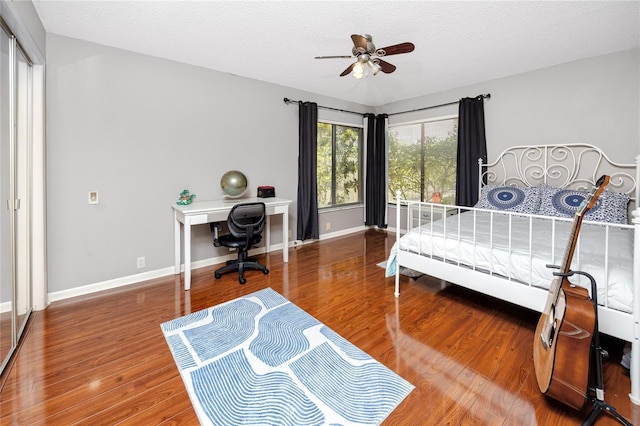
<point>261,360</point>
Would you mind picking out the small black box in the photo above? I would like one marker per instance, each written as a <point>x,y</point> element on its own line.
<point>266,191</point>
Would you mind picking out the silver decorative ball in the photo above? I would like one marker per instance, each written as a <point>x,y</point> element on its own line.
<point>233,183</point>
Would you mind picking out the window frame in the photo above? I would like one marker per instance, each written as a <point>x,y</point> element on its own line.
<point>361,156</point>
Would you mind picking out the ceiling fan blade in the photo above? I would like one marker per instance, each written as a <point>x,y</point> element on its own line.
<point>333,57</point>
<point>386,67</point>
<point>396,49</point>
<point>348,70</point>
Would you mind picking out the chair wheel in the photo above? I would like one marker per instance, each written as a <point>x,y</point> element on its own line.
<point>266,271</point>
<point>243,280</point>
<point>217,274</point>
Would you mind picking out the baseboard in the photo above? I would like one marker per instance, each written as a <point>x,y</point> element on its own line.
<point>329,235</point>
<point>108,285</point>
<point>164,272</point>
<point>340,233</point>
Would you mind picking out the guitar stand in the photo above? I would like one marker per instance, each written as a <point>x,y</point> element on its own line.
<point>597,393</point>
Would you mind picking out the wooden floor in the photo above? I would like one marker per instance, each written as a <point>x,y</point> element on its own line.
<point>102,359</point>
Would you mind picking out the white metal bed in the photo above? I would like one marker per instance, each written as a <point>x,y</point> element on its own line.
<point>498,253</point>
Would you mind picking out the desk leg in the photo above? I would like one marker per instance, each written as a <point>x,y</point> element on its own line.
<point>176,243</point>
<point>187,254</point>
<point>268,237</point>
<point>285,236</point>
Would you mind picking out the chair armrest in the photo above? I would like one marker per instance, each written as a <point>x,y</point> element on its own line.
<point>216,227</point>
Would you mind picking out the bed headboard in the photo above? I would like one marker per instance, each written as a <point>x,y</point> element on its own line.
<point>571,166</point>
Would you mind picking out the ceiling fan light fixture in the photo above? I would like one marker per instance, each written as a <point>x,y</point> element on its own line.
<point>358,70</point>
<point>375,68</point>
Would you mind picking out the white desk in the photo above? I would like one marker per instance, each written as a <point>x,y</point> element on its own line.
<point>200,212</point>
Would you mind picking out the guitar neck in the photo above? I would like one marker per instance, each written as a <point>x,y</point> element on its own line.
<point>556,284</point>
<point>571,244</point>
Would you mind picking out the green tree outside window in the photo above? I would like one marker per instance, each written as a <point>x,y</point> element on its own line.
<point>422,161</point>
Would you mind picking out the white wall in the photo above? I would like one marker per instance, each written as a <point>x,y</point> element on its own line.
<point>593,101</point>
<point>139,130</point>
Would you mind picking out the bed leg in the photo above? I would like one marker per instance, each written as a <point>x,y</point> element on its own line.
<point>634,372</point>
<point>396,293</point>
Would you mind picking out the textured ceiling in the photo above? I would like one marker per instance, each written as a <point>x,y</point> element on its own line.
<point>457,43</point>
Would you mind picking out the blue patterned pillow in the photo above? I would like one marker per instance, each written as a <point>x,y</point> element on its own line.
<point>509,198</point>
<point>611,207</point>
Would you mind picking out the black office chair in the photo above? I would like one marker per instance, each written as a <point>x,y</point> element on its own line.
<point>245,222</point>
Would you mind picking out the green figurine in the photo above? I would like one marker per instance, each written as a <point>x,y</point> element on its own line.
<point>185,198</point>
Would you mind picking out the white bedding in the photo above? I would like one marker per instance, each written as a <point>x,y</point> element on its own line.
<point>490,248</point>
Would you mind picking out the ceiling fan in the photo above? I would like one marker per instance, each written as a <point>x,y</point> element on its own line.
<point>366,53</point>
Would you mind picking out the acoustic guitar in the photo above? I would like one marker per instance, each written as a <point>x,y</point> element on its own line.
<point>562,341</point>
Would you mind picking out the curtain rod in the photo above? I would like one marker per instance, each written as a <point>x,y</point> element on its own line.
<point>484,96</point>
<point>289,101</point>
<point>487,96</point>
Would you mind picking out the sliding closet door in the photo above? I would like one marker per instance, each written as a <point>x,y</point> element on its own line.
<point>6,265</point>
<point>15,192</point>
<point>22,172</point>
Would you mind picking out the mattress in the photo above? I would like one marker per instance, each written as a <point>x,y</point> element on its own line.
<point>519,247</point>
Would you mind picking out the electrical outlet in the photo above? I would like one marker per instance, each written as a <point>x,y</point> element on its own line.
<point>328,226</point>
<point>93,197</point>
<point>141,262</point>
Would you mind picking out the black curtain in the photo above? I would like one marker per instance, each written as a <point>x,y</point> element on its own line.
<point>376,180</point>
<point>472,145</point>
<point>307,171</point>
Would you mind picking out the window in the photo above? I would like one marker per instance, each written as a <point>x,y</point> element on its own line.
<point>339,165</point>
<point>422,160</point>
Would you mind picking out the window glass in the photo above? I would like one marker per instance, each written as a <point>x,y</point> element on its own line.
<point>324,164</point>
<point>422,160</point>
<point>339,165</point>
